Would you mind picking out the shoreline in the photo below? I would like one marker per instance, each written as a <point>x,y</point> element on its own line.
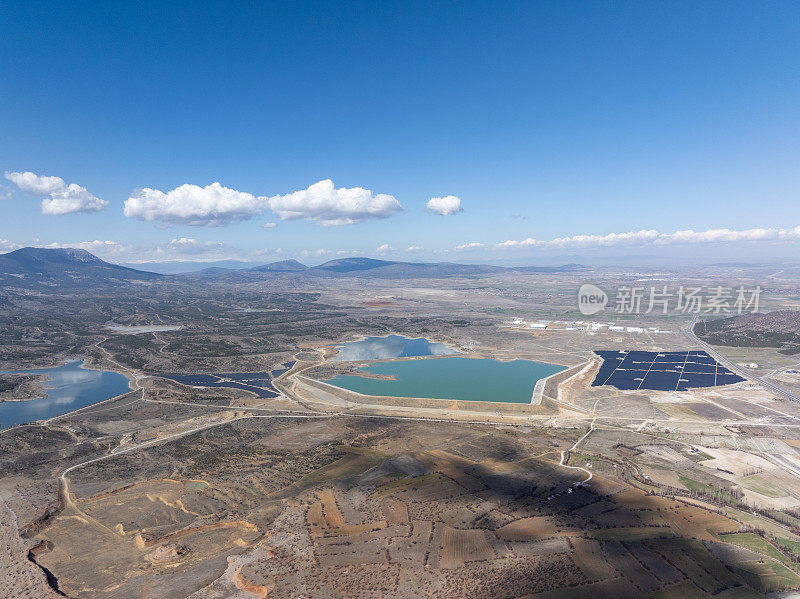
<point>390,397</point>
<point>363,337</point>
<point>133,385</point>
<point>471,354</point>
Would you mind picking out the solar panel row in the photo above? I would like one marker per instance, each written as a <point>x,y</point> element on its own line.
<point>259,383</point>
<point>662,371</point>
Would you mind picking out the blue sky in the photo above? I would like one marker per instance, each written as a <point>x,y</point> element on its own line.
<point>547,120</point>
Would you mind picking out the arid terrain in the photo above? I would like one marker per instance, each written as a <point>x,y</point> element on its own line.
<point>400,300</point>
<point>181,490</point>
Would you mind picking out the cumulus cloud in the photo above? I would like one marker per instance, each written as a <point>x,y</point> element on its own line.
<point>415,248</point>
<point>269,225</point>
<point>34,183</point>
<point>384,249</point>
<point>715,235</point>
<point>209,206</point>
<point>7,246</point>
<point>189,246</point>
<point>89,246</point>
<point>653,237</point>
<point>64,198</point>
<point>184,249</point>
<point>268,252</point>
<point>474,245</point>
<point>446,206</point>
<point>72,199</point>
<point>324,204</point>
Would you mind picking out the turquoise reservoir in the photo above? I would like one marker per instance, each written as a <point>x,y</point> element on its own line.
<point>452,378</point>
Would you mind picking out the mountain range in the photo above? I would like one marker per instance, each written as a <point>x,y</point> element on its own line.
<point>374,268</point>
<point>69,267</point>
<point>63,267</point>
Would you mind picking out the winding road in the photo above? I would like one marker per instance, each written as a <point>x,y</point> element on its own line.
<point>723,360</point>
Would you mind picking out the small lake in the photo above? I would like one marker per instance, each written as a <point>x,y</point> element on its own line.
<point>452,378</point>
<point>69,387</point>
<point>391,346</point>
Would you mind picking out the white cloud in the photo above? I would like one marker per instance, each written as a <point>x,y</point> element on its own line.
<point>415,248</point>
<point>474,245</point>
<point>384,249</point>
<point>209,206</point>
<point>64,198</point>
<point>319,252</point>
<point>184,249</point>
<point>446,206</point>
<point>268,252</point>
<point>269,225</point>
<point>715,235</point>
<point>105,249</point>
<point>325,205</point>
<point>32,182</point>
<point>7,246</point>
<point>189,246</point>
<point>72,199</point>
<point>653,237</point>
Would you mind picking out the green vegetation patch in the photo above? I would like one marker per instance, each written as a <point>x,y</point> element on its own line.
<point>681,590</point>
<point>768,576</point>
<point>764,487</point>
<point>695,561</point>
<point>787,544</point>
<point>698,487</point>
<point>8,385</point>
<point>752,541</point>
<point>775,329</point>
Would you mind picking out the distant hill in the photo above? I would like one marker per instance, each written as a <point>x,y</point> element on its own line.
<point>372,268</point>
<point>281,266</point>
<point>252,273</point>
<point>563,268</point>
<point>353,264</point>
<point>40,268</point>
<point>780,329</point>
<point>367,267</point>
<point>174,267</point>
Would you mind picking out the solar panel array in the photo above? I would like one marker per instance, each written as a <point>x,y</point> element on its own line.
<point>662,371</point>
<point>259,383</point>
